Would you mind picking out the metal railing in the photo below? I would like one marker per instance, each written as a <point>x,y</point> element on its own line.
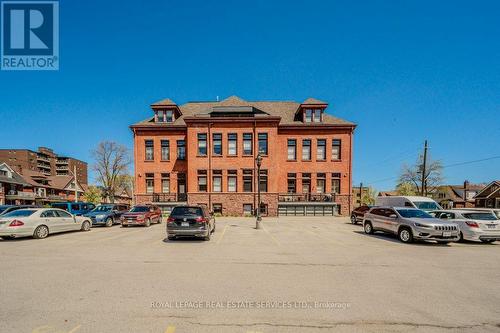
<point>162,197</point>
<point>309,197</point>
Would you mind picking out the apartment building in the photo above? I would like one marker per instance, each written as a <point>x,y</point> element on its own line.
<point>46,162</point>
<point>205,153</point>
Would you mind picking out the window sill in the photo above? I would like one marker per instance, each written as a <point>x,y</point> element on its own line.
<point>295,160</point>
<point>164,160</point>
<point>148,161</point>
<point>306,160</point>
<point>231,155</point>
<point>202,156</point>
<point>217,155</point>
<point>320,160</point>
<point>247,155</point>
<point>336,160</point>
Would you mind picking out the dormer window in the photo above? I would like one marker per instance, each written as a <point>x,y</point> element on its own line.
<point>165,116</point>
<point>313,115</point>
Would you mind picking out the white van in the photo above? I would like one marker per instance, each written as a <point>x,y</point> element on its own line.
<point>423,203</point>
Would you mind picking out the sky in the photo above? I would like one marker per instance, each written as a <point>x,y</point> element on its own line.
<point>403,71</point>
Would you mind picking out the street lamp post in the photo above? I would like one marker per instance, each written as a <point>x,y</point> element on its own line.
<point>258,160</point>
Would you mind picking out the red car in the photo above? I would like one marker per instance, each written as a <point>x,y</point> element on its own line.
<point>141,215</point>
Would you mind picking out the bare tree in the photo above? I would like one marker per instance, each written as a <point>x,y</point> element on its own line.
<point>111,164</point>
<point>413,175</point>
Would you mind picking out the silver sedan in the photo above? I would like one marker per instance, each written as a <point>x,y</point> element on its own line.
<point>40,222</point>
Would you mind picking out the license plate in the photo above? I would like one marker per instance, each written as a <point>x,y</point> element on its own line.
<point>447,234</point>
<point>184,224</point>
<point>491,226</point>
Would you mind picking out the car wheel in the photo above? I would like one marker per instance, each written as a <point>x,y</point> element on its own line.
<point>148,223</point>
<point>41,232</point>
<point>159,220</point>
<point>213,230</point>
<point>124,225</point>
<point>353,219</point>
<point>207,237</point>
<point>405,235</point>
<point>109,222</point>
<point>368,228</point>
<point>85,226</point>
<point>461,239</point>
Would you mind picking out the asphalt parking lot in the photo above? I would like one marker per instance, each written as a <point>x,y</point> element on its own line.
<point>297,274</point>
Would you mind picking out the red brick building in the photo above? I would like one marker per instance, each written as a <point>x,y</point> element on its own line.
<point>205,153</point>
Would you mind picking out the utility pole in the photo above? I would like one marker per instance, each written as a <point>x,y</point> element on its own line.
<point>76,186</point>
<point>360,194</point>
<point>424,165</point>
<point>466,184</point>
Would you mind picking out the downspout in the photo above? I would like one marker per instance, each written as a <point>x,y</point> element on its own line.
<point>209,175</point>
<point>350,169</point>
<point>255,177</point>
<point>134,187</point>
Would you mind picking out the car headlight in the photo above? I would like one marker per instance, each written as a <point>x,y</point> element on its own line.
<point>420,225</point>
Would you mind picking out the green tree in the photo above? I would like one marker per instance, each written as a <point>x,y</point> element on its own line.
<point>93,195</point>
<point>369,196</point>
<point>406,188</point>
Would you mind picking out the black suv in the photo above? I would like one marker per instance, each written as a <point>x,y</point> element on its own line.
<point>358,214</point>
<point>194,221</point>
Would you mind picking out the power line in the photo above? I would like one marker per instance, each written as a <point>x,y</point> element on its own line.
<point>470,162</point>
<point>446,166</point>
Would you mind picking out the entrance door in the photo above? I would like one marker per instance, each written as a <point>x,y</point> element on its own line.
<point>181,187</point>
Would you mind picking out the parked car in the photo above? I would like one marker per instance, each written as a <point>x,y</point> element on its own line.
<point>194,221</point>
<point>40,222</point>
<point>358,213</point>
<point>495,211</point>
<point>107,214</point>
<point>141,215</point>
<point>422,203</point>
<point>474,225</point>
<point>75,208</point>
<point>4,209</point>
<point>409,224</point>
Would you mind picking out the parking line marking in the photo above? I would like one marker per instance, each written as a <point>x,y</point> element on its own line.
<point>121,234</point>
<point>272,237</point>
<point>75,329</point>
<point>170,329</point>
<point>221,235</point>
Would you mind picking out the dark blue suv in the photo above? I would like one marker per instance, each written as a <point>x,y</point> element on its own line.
<point>107,214</point>
<point>75,208</point>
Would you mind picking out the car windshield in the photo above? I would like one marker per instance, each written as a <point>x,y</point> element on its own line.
<point>20,213</point>
<point>480,216</point>
<point>415,213</point>
<point>139,209</point>
<point>181,211</point>
<point>102,209</point>
<point>426,205</point>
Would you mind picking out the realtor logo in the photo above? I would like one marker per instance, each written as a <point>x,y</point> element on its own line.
<point>30,35</point>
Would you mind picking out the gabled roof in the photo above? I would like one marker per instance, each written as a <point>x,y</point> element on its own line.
<point>16,177</point>
<point>486,188</point>
<point>283,109</point>
<point>313,101</point>
<point>164,102</point>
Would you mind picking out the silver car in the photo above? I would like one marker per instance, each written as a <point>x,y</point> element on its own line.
<point>475,225</point>
<point>410,224</point>
<point>40,222</point>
